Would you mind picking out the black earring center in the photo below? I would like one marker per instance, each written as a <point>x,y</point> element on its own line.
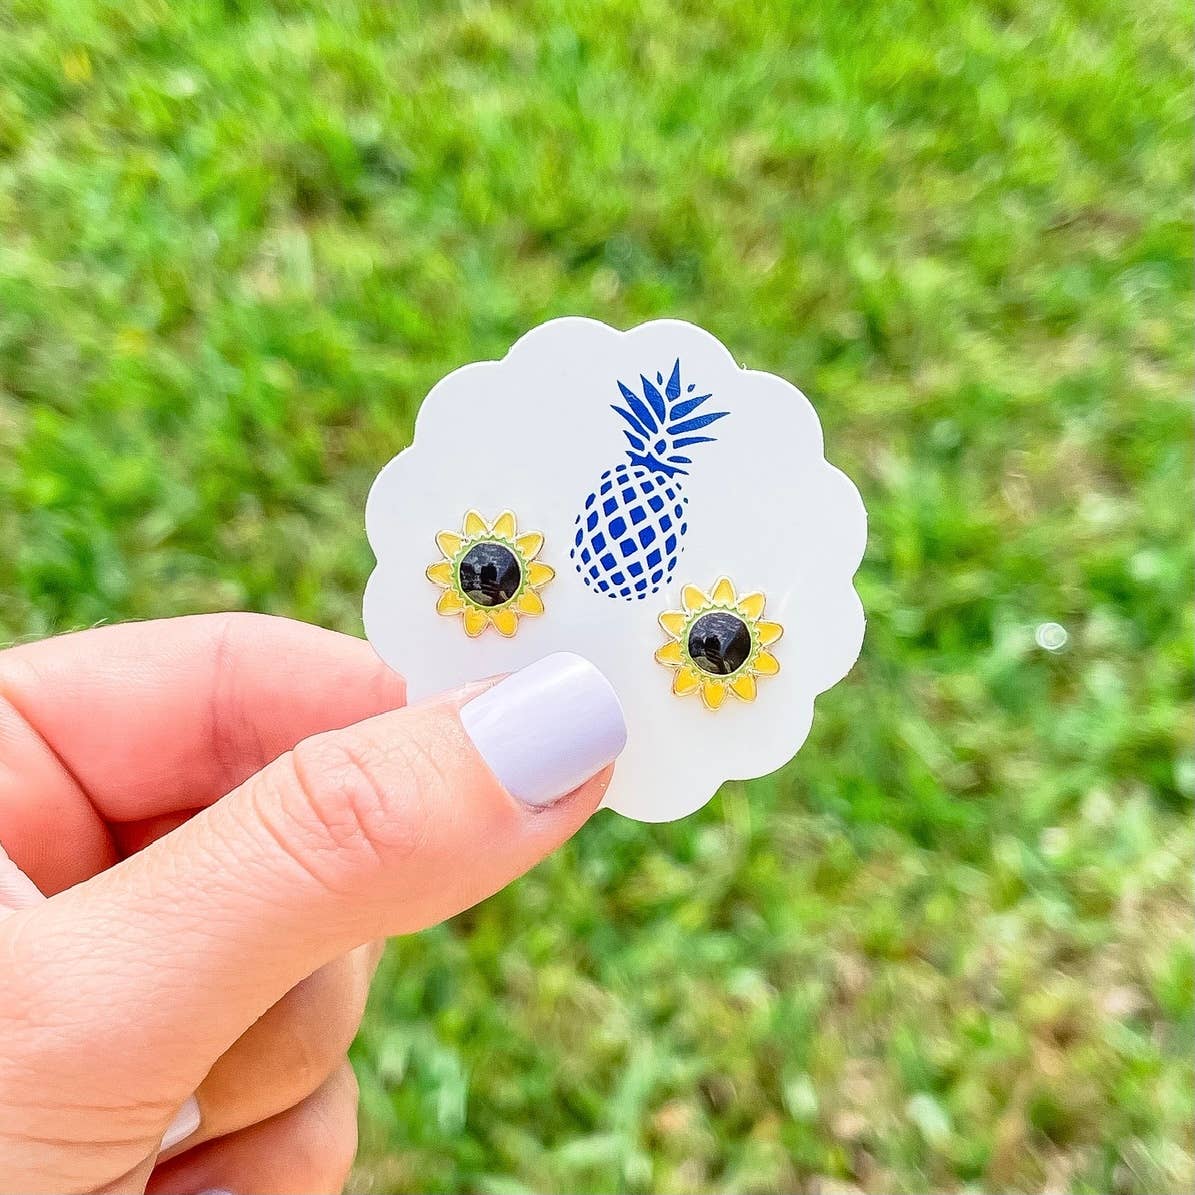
<point>490,574</point>
<point>719,643</point>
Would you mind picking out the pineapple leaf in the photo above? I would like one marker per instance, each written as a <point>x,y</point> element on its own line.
<point>655,398</point>
<point>698,421</point>
<point>637,442</point>
<point>647,423</point>
<point>681,409</point>
<point>673,387</point>
<point>636,425</point>
<point>685,441</point>
<point>680,460</point>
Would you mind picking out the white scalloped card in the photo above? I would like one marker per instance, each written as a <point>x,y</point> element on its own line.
<point>639,499</point>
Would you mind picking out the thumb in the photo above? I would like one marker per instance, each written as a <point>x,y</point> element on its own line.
<point>149,971</point>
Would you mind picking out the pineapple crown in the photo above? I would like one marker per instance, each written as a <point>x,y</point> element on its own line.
<point>662,424</point>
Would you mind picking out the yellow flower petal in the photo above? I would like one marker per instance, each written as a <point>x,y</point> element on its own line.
<point>529,602</point>
<point>450,602</point>
<point>476,621</point>
<point>671,654</point>
<point>768,632</point>
<point>505,621</point>
<point>538,575</point>
<point>765,664</point>
<point>723,592</point>
<point>448,543</point>
<point>752,605</point>
<point>474,524</point>
<point>692,598</point>
<point>504,524</point>
<point>713,693</point>
<point>744,687</point>
<point>530,544</point>
<point>441,573</point>
<point>685,681</point>
<point>673,621</point>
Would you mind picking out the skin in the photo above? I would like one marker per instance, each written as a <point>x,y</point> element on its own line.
<point>210,824</point>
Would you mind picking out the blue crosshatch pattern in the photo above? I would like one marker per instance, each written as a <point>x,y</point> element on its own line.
<point>630,533</point>
<point>628,536</point>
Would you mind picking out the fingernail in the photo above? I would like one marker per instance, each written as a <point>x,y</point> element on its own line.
<point>182,1126</point>
<point>547,728</point>
<point>17,890</point>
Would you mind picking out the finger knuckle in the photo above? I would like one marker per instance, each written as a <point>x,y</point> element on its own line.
<point>321,1018</point>
<point>307,1058</point>
<point>354,795</point>
<point>233,737</point>
<point>329,1142</point>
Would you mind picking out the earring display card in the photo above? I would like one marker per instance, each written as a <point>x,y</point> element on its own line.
<point>696,546</point>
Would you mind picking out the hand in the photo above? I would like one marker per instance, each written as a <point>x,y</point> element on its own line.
<point>176,961</point>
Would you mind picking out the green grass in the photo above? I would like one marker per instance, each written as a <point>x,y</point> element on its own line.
<point>950,945</point>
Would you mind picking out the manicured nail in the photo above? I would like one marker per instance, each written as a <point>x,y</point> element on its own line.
<point>182,1126</point>
<point>547,728</point>
<point>17,890</point>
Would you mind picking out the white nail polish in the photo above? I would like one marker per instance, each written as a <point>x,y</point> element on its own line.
<point>184,1124</point>
<point>17,890</point>
<point>547,728</point>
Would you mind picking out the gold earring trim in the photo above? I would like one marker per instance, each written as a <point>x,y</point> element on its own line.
<point>731,659</point>
<point>489,574</point>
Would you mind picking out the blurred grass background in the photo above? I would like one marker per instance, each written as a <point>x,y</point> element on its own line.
<point>950,945</point>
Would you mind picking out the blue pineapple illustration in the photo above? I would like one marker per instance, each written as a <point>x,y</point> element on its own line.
<point>631,531</point>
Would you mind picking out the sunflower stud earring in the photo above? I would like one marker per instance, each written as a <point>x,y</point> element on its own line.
<point>489,574</point>
<point>718,643</point>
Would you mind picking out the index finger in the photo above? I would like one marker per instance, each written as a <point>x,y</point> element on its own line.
<point>134,721</point>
